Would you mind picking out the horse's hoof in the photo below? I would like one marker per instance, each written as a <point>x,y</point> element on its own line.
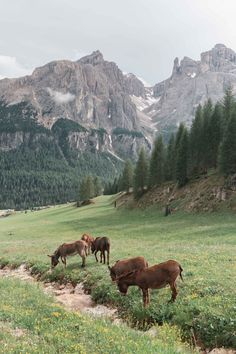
<point>171,301</point>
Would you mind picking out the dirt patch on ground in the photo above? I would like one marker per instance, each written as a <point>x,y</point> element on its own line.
<point>75,299</point>
<point>72,298</point>
<point>222,351</point>
<point>16,332</point>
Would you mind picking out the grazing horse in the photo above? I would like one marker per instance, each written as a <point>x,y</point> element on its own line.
<point>155,277</point>
<point>69,249</point>
<point>101,244</point>
<point>88,239</point>
<point>127,265</point>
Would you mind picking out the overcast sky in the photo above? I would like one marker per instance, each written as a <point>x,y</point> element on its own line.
<point>141,36</point>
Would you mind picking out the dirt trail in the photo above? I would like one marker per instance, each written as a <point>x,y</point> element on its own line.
<point>72,298</point>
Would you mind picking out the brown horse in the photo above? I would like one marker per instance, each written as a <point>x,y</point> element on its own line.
<point>69,249</point>
<point>155,277</point>
<point>88,239</point>
<point>127,265</point>
<point>101,244</point>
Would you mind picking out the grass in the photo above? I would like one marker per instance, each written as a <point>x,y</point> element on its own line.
<point>31,322</point>
<point>204,244</point>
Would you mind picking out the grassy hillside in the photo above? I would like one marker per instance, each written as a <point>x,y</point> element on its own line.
<point>204,244</point>
<point>209,193</point>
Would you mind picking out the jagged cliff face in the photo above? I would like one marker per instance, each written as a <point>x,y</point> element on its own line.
<point>192,83</point>
<point>91,91</point>
<point>97,95</point>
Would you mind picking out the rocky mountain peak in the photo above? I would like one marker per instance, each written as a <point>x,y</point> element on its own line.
<point>186,66</point>
<point>91,92</point>
<point>219,46</point>
<point>219,58</point>
<point>191,83</point>
<point>94,59</point>
<point>134,86</point>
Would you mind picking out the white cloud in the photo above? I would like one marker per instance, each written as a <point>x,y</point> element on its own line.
<point>60,97</point>
<point>9,67</point>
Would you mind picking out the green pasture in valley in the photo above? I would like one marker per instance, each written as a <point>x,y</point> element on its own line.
<point>204,245</point>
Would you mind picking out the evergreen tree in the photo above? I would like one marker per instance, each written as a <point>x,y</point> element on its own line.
<point>114,187</point>
<point>206,135</point>
<point>83,192</point>
<point>182,159</point>
<point>178,137</point>
<point>97,186</point>
<point>196,136</point>
<point>170,160</point>
<point>140,174</point>
<point>156,171</point>
<point>216,133</point>
<point>228,104</point>
<point>127,176</point>
<point>120,184</point>
<point>107,189</point>
<point>227,154</point>
<point>90,186</point>
<point>86,188</point>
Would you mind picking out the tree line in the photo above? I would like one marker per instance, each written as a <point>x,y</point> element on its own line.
<point>90,187</point>
<point>210,143</point>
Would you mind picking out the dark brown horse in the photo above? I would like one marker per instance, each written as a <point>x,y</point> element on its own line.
<point>101,244</point>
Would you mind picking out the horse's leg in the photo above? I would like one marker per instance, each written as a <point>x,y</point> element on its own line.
<point>104,256</point>
<point>83,260</point>
<point>148,296</point>
<point>63,259</point>
<point>89,248</point>
<point>95,254</point>
<point>101,256</point>
<point>108,256</point>
<point>144,297</point>
<point>174,291</point>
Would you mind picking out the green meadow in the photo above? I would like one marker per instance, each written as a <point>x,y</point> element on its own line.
<point>204,245</point>
<point>30,322</point>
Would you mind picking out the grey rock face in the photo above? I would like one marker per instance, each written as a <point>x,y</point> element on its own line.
<point>134,86</point>
<point>91,91</point>
<point>192,83</point>
<point>10,141</point>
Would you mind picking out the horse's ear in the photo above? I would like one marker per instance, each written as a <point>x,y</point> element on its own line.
<point>118,261</point>
<point>49,256</point>
<point>109,267</point>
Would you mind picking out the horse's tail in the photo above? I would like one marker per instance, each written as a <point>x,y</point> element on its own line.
<point>180,273</point>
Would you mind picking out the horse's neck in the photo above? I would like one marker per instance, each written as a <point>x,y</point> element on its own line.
<point>133,280</point>
<point>57,253</point>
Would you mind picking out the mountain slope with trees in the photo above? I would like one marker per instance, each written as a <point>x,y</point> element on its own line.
<point>208,148</point>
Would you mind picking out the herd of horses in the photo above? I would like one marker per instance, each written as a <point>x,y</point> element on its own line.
<point>127,272</point>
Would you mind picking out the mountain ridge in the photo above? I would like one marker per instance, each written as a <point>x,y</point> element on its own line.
<point>191,83</point>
